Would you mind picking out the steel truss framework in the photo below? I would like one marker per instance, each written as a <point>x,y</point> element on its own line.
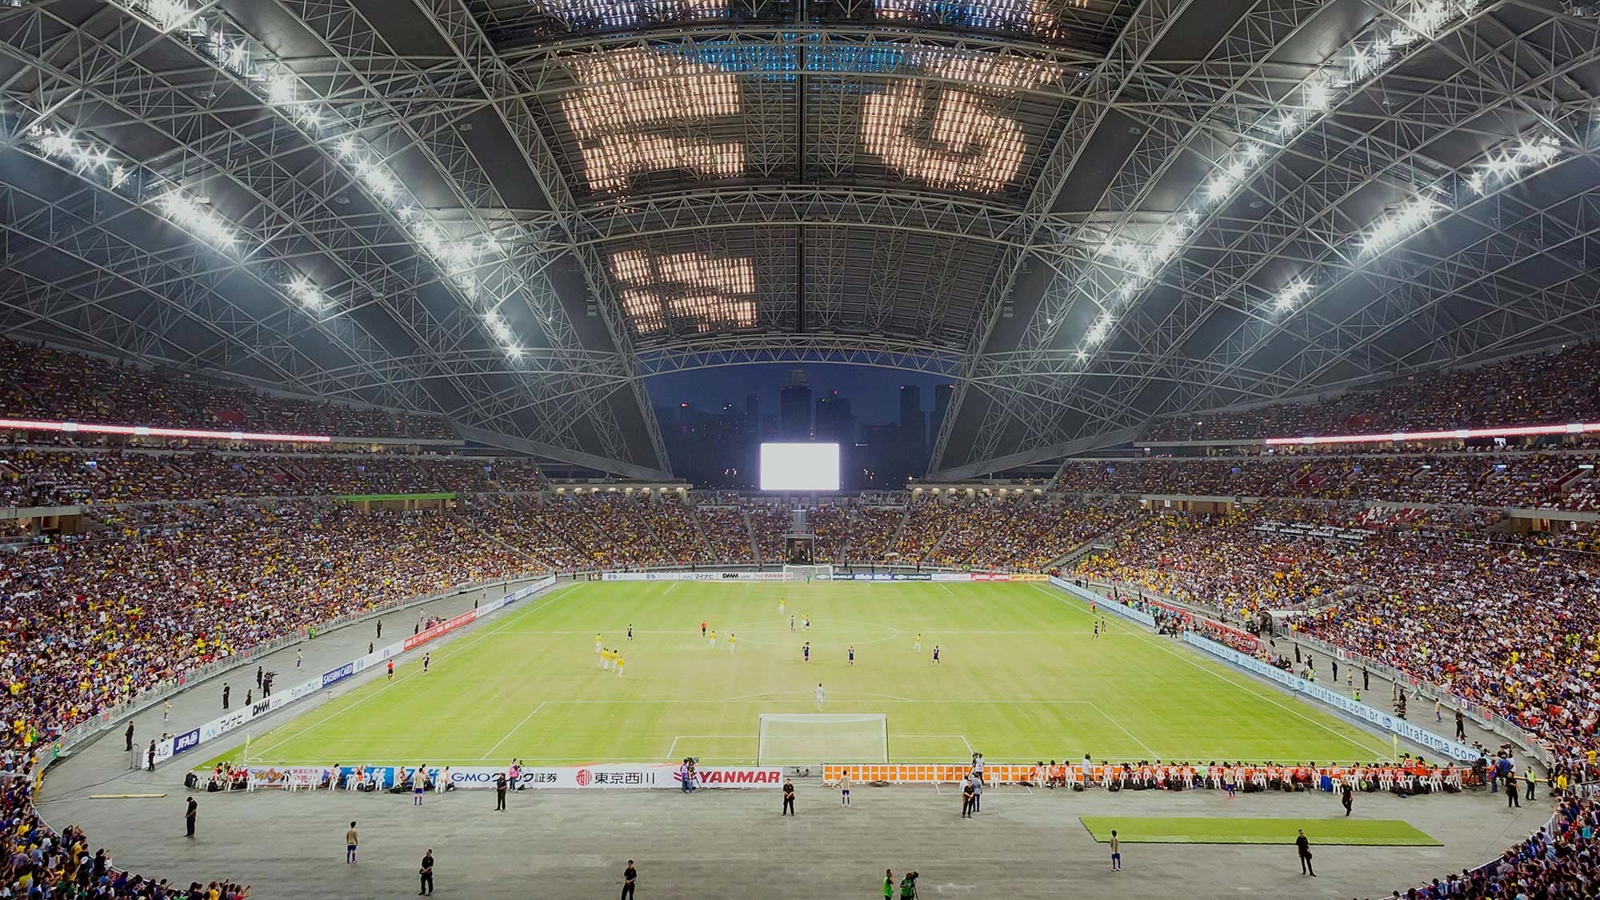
<point>856,263</point>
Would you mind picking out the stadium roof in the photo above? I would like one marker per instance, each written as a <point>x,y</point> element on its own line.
<point>1084,212</point>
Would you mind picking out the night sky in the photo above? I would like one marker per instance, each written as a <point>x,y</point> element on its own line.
<point>874,393</point>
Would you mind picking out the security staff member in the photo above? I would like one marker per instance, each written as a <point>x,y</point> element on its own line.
<point>788,798</point>
<point>500,792</point>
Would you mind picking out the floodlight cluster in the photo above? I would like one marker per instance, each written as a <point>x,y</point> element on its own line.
<point>216,36</point>
<point>625,99</point>
<point>1418,21</point>
<point>303,290</point>
<point>960,145</point>
<point>1291,294</point>
<point>1400,222</point>
<point>707,292</point>
<point>196,218</point>
<point>1506,165</point>
<point>84,155</point>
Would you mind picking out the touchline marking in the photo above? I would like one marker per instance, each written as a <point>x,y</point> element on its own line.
<point>1112,720</point>
<point>1224,678</point>
<point>449,650</point>
<point>513,730</point>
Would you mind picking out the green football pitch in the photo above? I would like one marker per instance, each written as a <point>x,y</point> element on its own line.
<point>1021,679</point>
<point>1202,830</point>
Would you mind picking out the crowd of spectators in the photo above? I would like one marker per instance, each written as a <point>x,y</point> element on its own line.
<point>673,522</point>
<point>927,520</point>
<point>1557,480</point>
<point>43,383</point>
<point>32,476</point>
<point>726,532</point>
<point>1553,388</point>
<point>1510,626</point>
<point>1559,862</point>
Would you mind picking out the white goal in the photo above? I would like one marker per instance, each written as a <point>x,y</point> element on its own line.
<point>796,739</point>
<point>808,573</point>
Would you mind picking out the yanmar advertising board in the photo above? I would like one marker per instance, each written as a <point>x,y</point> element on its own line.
<point>620,776</point>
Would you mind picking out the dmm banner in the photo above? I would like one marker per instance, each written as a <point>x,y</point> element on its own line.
<point>1413,733</point>
<point>1100,602</point>
<point>691,576</point>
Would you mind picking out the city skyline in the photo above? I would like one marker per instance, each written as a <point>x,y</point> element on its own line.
<point>885,422</point>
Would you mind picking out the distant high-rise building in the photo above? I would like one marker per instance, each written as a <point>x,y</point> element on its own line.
<point>834,420</point>
<point>913,423</point>
<point>752,414</point>
<point>941,405</point>
<point>794,407</point>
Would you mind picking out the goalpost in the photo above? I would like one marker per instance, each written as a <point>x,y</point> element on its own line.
<point>793,739</point>
<point>808,573</point>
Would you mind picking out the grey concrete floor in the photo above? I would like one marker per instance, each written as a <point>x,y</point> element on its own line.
<point>716,844</point>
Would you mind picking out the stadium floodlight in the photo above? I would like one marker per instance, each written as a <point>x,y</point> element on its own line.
<point>1291,293</point>
<point>1404,221</point>
<point>303,290</point>
<point>195,218</point>
<point>1100,330</point>
<point>1506,165</point>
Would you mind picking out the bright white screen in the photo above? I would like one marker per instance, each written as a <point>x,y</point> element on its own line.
<point>799,467</point>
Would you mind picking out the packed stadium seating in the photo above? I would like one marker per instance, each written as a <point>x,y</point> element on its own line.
<point>1557,388</point>
<point>43,383</point>
<point>191,555</point>
<point>1556,480</point>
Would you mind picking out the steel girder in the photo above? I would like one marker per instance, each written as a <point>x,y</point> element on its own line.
<point>1296,230</point>
<point>734,349</point>
<point>455,23</point>
<point>1308,216</point>
<point>429,129</point>
<point>758,205</point>
<point>292,219</point>
<point>1246,48</point>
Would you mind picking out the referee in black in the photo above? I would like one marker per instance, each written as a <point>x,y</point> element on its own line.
<point>788,799</point>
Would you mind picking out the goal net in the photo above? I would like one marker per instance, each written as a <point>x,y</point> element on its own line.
<point>793,739</point>
<point>808,573</point>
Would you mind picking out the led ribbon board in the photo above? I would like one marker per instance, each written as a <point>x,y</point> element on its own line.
<point>150,431</point>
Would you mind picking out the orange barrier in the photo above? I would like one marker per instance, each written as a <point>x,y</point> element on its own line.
<point>1414,776</point>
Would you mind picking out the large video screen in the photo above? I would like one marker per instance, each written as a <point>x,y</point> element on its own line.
<point>799,467</point>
